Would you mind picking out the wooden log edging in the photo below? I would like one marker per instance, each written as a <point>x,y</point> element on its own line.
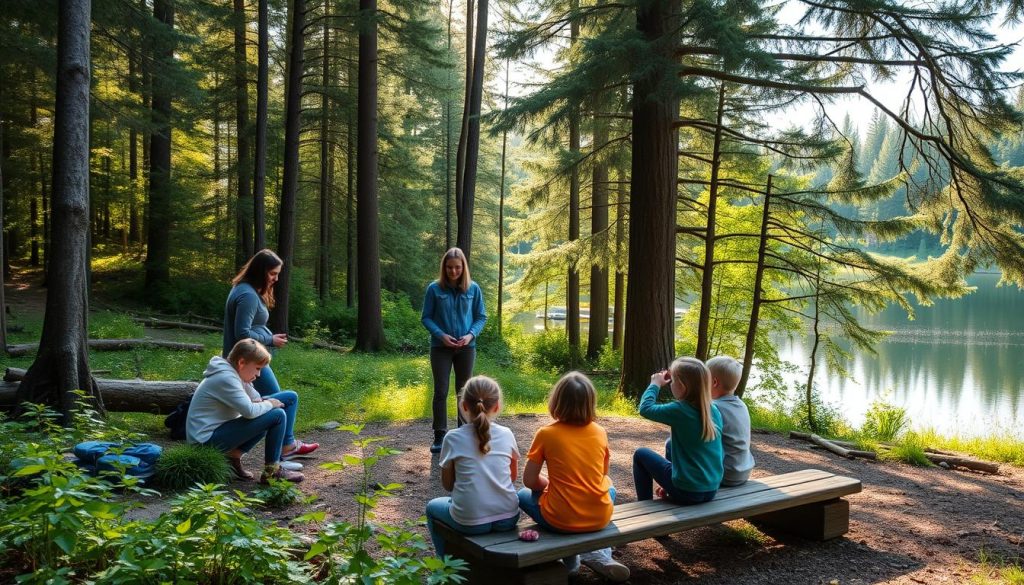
<point>934,455</point>
<point>112,345</point>
<point>118,395</point>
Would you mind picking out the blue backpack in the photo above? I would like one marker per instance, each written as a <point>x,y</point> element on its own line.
<point>138,460</point>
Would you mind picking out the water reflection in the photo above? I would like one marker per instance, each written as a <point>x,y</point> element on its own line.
<point>956,367</point>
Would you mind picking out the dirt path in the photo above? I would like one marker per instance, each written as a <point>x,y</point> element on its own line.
<point>909,525</point>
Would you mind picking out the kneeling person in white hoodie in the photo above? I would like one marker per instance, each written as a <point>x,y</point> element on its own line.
<point>227,413</point>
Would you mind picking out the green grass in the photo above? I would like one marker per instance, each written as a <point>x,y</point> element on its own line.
<point>998,571</point>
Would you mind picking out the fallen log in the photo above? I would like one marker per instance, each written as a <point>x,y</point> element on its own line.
<point>118,395</point>
<point>833,446</point>
<point>112,345</point>
<point>162,324</point>
<point>972,464</point>
<point>319,344</point>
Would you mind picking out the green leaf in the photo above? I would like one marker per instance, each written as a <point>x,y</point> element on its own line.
<point>317,516</point>
<point>184,526</point>
<point>66,541</point>
<point>29,470</point>
<point>316,549</point>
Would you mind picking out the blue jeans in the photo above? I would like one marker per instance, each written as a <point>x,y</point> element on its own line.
<point>648,466</point>
<point>278,426</point>
<point>529,502</point>
<point>440,509</point>
<point>266,383</point>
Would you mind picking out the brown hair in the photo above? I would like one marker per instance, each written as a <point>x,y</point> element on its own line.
<point>695,377</point>
<point>480,395</point>
<point>254,273</point>
<point>573,400</point>
<point>451,254</point>
<point>727,370</point>
<point>249,350</point>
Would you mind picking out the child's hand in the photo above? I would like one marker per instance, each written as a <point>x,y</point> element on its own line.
<point>661,378</point>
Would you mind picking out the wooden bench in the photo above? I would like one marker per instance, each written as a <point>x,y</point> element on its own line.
<point>805,503</point>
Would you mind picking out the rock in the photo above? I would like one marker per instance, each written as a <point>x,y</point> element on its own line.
<point>944,465</point>
<point>330,425</point>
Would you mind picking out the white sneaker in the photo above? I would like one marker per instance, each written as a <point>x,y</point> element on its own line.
<point>291,465</point>
<point>602,563</point>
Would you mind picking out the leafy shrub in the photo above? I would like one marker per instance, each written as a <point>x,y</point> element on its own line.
<point>549,350</point>
<point>339,320</point>
<point>200,296</point>
<point>403,329</point>
<point>609,359</point>
<point>910,449</point>
<point>884,421</point>
<point>186,465</point>
<point>341,547</point>
<point>279,493</point>
<point>110,325</point>
<point>828,419</point>
<point>303,300</point>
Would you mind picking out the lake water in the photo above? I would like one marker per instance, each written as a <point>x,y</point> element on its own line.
<point>958,367</point>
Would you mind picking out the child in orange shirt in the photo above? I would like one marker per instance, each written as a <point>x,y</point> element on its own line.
<point>576,495</point>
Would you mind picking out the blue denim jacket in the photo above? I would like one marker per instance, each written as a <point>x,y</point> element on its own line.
<point>453,312</point>
<point>245,317</point>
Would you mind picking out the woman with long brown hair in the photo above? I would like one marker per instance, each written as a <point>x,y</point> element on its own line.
<point>453,313</point>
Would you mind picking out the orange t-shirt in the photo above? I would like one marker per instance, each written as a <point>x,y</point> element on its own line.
<point>576,499</point>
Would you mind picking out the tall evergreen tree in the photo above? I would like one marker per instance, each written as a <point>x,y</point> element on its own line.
<point>158,216</point>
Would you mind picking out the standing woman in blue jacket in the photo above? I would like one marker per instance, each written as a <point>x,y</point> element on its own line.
<point>453,313</point>
<point>248,309</point>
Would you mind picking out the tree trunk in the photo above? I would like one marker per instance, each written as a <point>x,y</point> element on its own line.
<point>62,364</point>
<point>707,278</point>
<point>350,202</point>
<point>572,288</point>
<point>369,327</point>
<point>448,147</point>
<point>323,255</point>
<point>598,228</point>
<point>465,237</point>
<point>755,305</point>
<point>619,316</point>
<point>244,245</point>
<point>159,218</point>
<point>259,189</point>
<point>3,257</point>
<point>501,211</point>
<point>460,155</point>
<point>133,151</point>
<point>290,187</point>
<point>809,390</point>
<point>648,342</point>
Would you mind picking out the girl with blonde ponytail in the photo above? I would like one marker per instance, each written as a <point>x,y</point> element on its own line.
<point>479,463</point>
<point>692,468</point>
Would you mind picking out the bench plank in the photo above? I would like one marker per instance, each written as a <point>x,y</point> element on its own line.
<point>631,509</point>
<point>661,521</point>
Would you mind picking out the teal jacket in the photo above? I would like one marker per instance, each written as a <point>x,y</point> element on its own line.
<point>697,466</point>
<point>453,312</point>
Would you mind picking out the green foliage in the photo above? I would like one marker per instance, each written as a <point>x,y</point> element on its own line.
<point>609,360</point>
<point>403,330</point>
<point>110,325</point>
<point>201,296</point>
<point>303,301</point>
<point>549,350</point>
<point>884,421</point>
<point>183,466</point>
<point>340,549</point>
<point>909,449</point>
<point>280,493</point>
<point>1002,446</point>
<point>996,570</point>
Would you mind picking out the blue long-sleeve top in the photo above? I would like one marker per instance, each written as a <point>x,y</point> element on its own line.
<point>451,311</point>
<point>245,317</point>
<point>697,465</point>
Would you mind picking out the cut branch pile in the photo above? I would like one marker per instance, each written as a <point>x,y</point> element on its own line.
<point>846,449</point>
<point>833,446</point>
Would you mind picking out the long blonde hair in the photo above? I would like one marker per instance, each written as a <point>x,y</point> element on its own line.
<point>480,395</point>
<point>453,254</point>
<point>695,377</point>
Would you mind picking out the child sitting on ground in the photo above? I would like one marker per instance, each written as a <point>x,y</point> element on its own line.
<point>695,470</point>
<point>576,495</point>
<point>725,375</point>
<point>479,463</point>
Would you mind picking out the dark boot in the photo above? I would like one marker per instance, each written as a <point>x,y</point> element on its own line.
<point>438,438</point>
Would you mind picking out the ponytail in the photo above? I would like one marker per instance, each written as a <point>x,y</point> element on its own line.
<point>480,396</point>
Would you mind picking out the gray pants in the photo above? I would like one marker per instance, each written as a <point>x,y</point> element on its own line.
<point>442,360</point>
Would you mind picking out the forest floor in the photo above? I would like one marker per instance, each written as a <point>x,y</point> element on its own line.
<point>908,525</point>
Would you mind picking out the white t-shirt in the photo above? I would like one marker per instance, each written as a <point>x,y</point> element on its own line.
<point>483,490</point>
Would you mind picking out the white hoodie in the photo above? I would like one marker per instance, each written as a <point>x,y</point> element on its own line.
<point>221,397</point>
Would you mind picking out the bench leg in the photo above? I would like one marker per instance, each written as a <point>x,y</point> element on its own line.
<point>481,573</point>
<point>817,521</point>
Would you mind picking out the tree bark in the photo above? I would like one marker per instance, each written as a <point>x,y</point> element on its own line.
<point>133,149</point>
<point>350,201</point>
<point>619,316</point>
<point>259,188</point>
<point>465,238</point>
<point>290,187</point>
<point>755,305</point>
<point>118,395</point>
<point>369,326</point>
<point>460,154</point>
<point>323,253</point>
<point>62,364</point>
<point>448,146</point>
<point>707,277</point>
<point>648,342</point>
<point>809,389</point>
<point>159,218</point>
<point>244,244</point>
<point>572,288</point>
<point>3,257</point>
<point>598,228</point>
<point>501,211</point>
